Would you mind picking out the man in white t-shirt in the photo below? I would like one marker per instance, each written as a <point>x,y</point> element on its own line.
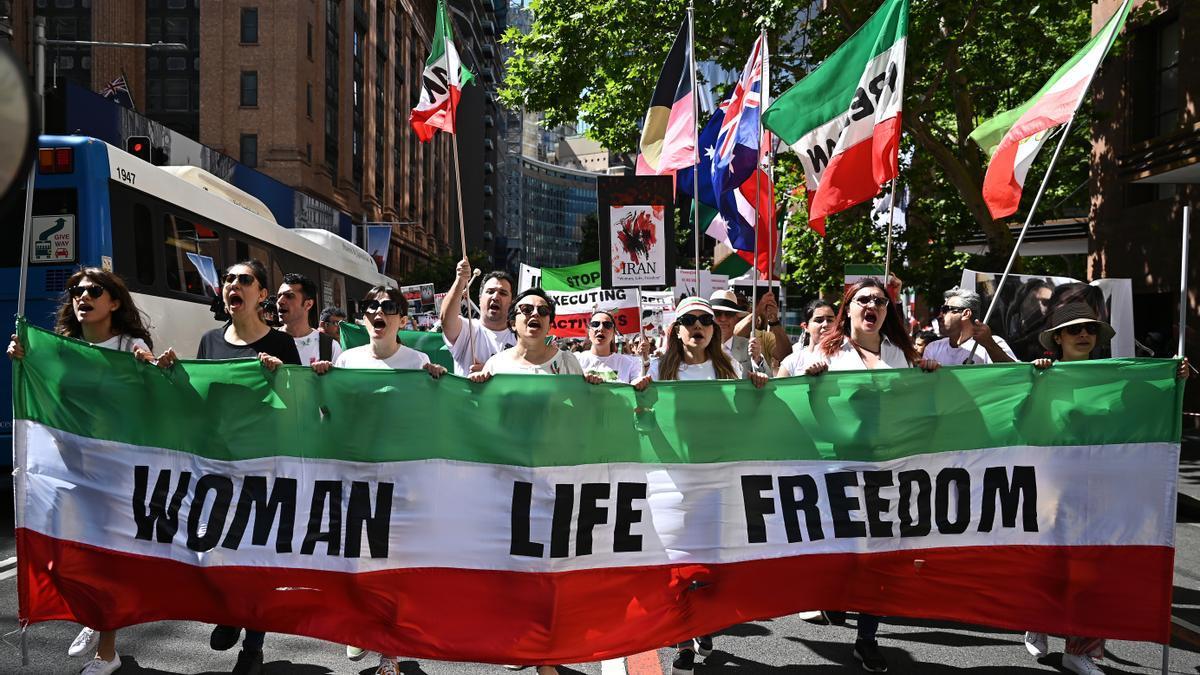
<point>962,328</point>
<point>487,335</point>
<point>297,295</point>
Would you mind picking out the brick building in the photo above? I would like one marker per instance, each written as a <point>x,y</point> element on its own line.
<point>313,93</point>
<point>1145,163</point>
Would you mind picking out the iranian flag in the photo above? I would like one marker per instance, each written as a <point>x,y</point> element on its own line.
<point>1012,139</point>
<point>441,83</point>
<point>544,520</point>
<point>843,119</point>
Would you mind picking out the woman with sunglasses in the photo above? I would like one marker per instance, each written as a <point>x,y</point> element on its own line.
<point>385,313</point>
<point>530,317</point>
<point>819,316</point>
<point>98,309</point>
<point>867,334</point>
<point>1075,333</point>
<point>603,358</point>
<point>246,335</point>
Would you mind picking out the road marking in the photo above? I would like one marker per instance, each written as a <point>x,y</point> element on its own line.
<point>9,561</point>
<point>645,663</point>
<point>8,574</point>
<point>612,667</point>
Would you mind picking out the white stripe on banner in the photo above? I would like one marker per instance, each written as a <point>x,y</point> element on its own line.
<point>468,515</point>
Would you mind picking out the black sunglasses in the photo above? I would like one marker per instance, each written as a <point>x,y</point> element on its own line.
<point>868,300</point>
<point>527,310</point>
<point>1089,328</point>
<point>947,309</point>
<point>388,307</point>
<point>92,291</point>
<point>243,279</point>
<point>689,320</point>
<point>598,324</point>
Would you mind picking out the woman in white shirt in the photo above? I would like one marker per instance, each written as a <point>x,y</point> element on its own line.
<point>868,334</point>
<point>98,309</point>
<point>385,313</point>
<point>818,321</point>
<point>603,360</point>
<point>531,315</point>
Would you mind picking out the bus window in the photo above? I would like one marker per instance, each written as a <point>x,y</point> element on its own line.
<point>46,202</point>
<point>143,245</point>
<point>243,250</point>
<point>333,290</point>
<point>185,273</point>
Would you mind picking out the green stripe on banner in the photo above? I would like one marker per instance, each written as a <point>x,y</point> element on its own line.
<point>354,335</point>
<point>236,410</point>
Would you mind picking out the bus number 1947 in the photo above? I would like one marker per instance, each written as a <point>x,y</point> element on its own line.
<point>126,176</point>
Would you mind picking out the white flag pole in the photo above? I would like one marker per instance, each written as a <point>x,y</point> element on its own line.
<point>691,16</point>
<point>1024,229</point>
<point>1183,279</point>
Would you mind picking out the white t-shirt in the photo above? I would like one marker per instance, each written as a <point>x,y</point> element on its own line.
<point>562,363</point>
<point>488,343</point>
<point>309,347</point>
<point>612,368</point>
<point>123,343</point>
<point>848,358</point>
<point>699,371</point>
<point>943,353</point>
<point>793,364</point>
<point>405,358</point>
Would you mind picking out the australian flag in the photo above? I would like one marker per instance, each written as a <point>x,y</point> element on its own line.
<point>118,91</point>
<point>736,150</point>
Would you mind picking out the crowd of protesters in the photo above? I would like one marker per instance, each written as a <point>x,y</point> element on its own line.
<point>714,338</point>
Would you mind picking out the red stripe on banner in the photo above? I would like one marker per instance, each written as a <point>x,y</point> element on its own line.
<point>576,325</point>
<point>1121,592</point>
<point>855,176</point>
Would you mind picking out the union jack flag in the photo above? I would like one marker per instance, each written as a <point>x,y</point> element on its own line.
<point>737,149</point>
<point>118,91</point>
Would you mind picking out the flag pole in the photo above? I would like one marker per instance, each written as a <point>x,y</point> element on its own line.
<point>1183,279</point>
<point>691,15</point>
<point>462,227</point>
<point>762,105</point>
<point>1012,258</point>
<point>887,260</point>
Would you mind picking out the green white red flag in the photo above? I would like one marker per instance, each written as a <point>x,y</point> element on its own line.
<point>843,119</point>
<point>408,515</point>
<point>441,83</point>
<point>1012,139</point>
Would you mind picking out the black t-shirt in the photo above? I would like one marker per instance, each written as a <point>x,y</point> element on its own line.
<point>214,346</point>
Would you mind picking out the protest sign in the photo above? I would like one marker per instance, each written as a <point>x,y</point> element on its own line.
<point>607,521</point>
<point>637,230</point>
<point>576,294</point>
<point>1027,302</point>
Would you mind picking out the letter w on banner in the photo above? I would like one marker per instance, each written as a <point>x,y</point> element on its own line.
<point>138,499</point>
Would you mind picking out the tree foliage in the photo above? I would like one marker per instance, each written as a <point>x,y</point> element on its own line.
<point>967,61</point>
<point>441,271</point>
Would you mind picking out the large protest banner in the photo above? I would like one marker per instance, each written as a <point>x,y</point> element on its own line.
<point>546,520</point>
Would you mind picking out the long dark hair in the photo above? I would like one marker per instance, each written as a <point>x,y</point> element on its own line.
<point>668,366</point>
<point>127,319</point>
<point>892,329</point>
<point>810,309</point>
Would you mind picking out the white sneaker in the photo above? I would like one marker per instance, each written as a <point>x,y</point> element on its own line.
<point>1035,644</point>
<point>1083,665</point>
<point>387,666</point>
<point>355,653</point>
<point>99,666</point>
<point>85,643</point>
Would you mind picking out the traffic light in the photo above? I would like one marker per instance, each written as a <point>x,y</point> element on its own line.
<point>139,146</point>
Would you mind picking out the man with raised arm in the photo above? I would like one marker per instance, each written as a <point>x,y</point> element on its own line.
<point>472,341</point>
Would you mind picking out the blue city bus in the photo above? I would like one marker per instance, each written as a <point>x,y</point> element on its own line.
<point>164,230</point>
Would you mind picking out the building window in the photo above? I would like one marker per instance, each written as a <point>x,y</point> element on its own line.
<point>173,78</point>
<point>381,82</point>
<point>249,25</point>
<point>308,41</point>
<point>358,83</point>
<point>249,150</point>
<point>308,100</point>
<point>175,95</point>
<point>249,88</point>
<point>332,8</point>
<point>1154,81</point>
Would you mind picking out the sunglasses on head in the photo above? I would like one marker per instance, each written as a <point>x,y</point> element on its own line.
<point>92,291</point>
<point>243,279</point>
<point>388,307</point>
<point>948,309</point>
<point>529,310</point>
<point>1089,328</point>
<point>605,324</point>
<point>869,300</point>
<point>689,320</point>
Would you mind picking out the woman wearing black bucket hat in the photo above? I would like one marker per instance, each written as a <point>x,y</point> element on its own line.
<point>1074,334</point>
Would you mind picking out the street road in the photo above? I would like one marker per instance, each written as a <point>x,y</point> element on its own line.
<point>782,645</point>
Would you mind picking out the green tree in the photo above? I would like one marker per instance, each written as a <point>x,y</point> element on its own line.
<point>440,271</point>
<point>967,60</point>
<point>589,242</point>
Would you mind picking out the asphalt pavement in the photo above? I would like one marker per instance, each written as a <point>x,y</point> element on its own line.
<point>779,646</point>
